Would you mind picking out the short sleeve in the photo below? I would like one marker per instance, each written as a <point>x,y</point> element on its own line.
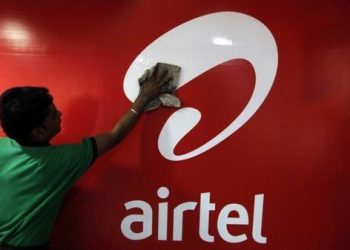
<point>69,161</point>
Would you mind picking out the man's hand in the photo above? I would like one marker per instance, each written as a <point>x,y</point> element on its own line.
<point>151,89</point>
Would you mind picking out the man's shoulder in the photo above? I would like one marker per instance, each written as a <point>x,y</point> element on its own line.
<point>9,147</point>
<point>6,141</point>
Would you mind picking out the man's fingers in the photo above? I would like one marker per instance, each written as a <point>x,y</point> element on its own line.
<point>155,73</point>
<point>166,77</point>
<point>161,74</point>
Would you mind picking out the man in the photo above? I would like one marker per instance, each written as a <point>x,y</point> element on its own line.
<point>34,176</point>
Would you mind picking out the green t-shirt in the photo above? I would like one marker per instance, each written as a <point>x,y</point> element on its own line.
<point>33,182</point>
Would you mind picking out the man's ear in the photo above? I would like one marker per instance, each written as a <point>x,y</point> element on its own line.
<point>38,134</point>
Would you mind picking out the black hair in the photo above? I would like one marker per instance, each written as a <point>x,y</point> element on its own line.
<point>22,109</point>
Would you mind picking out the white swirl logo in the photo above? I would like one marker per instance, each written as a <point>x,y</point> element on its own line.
<point>197,46</point>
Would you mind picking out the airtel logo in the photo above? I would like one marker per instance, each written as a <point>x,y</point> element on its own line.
<point>197,46</point>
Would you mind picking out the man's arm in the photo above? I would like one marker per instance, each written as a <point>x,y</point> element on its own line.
<point>151,89</point>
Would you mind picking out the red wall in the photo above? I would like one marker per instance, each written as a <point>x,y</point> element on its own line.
<point>294,150</point>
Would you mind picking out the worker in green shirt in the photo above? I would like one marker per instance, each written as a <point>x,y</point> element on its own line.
<point>35,176</point>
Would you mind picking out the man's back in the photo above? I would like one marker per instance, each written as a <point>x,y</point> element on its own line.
<point>33,181</point>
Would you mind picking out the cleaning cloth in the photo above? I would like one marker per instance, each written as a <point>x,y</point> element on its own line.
<point>168,99</point>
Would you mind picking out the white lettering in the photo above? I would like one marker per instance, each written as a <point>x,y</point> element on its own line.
<point>205,208</point>
<point>257,219</point>
<point>225,219</point>
<point>145,219</point>
<point>163,193</point>
<point>178,218</point>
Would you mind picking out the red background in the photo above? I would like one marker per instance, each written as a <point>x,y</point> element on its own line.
<point>294,150</point>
